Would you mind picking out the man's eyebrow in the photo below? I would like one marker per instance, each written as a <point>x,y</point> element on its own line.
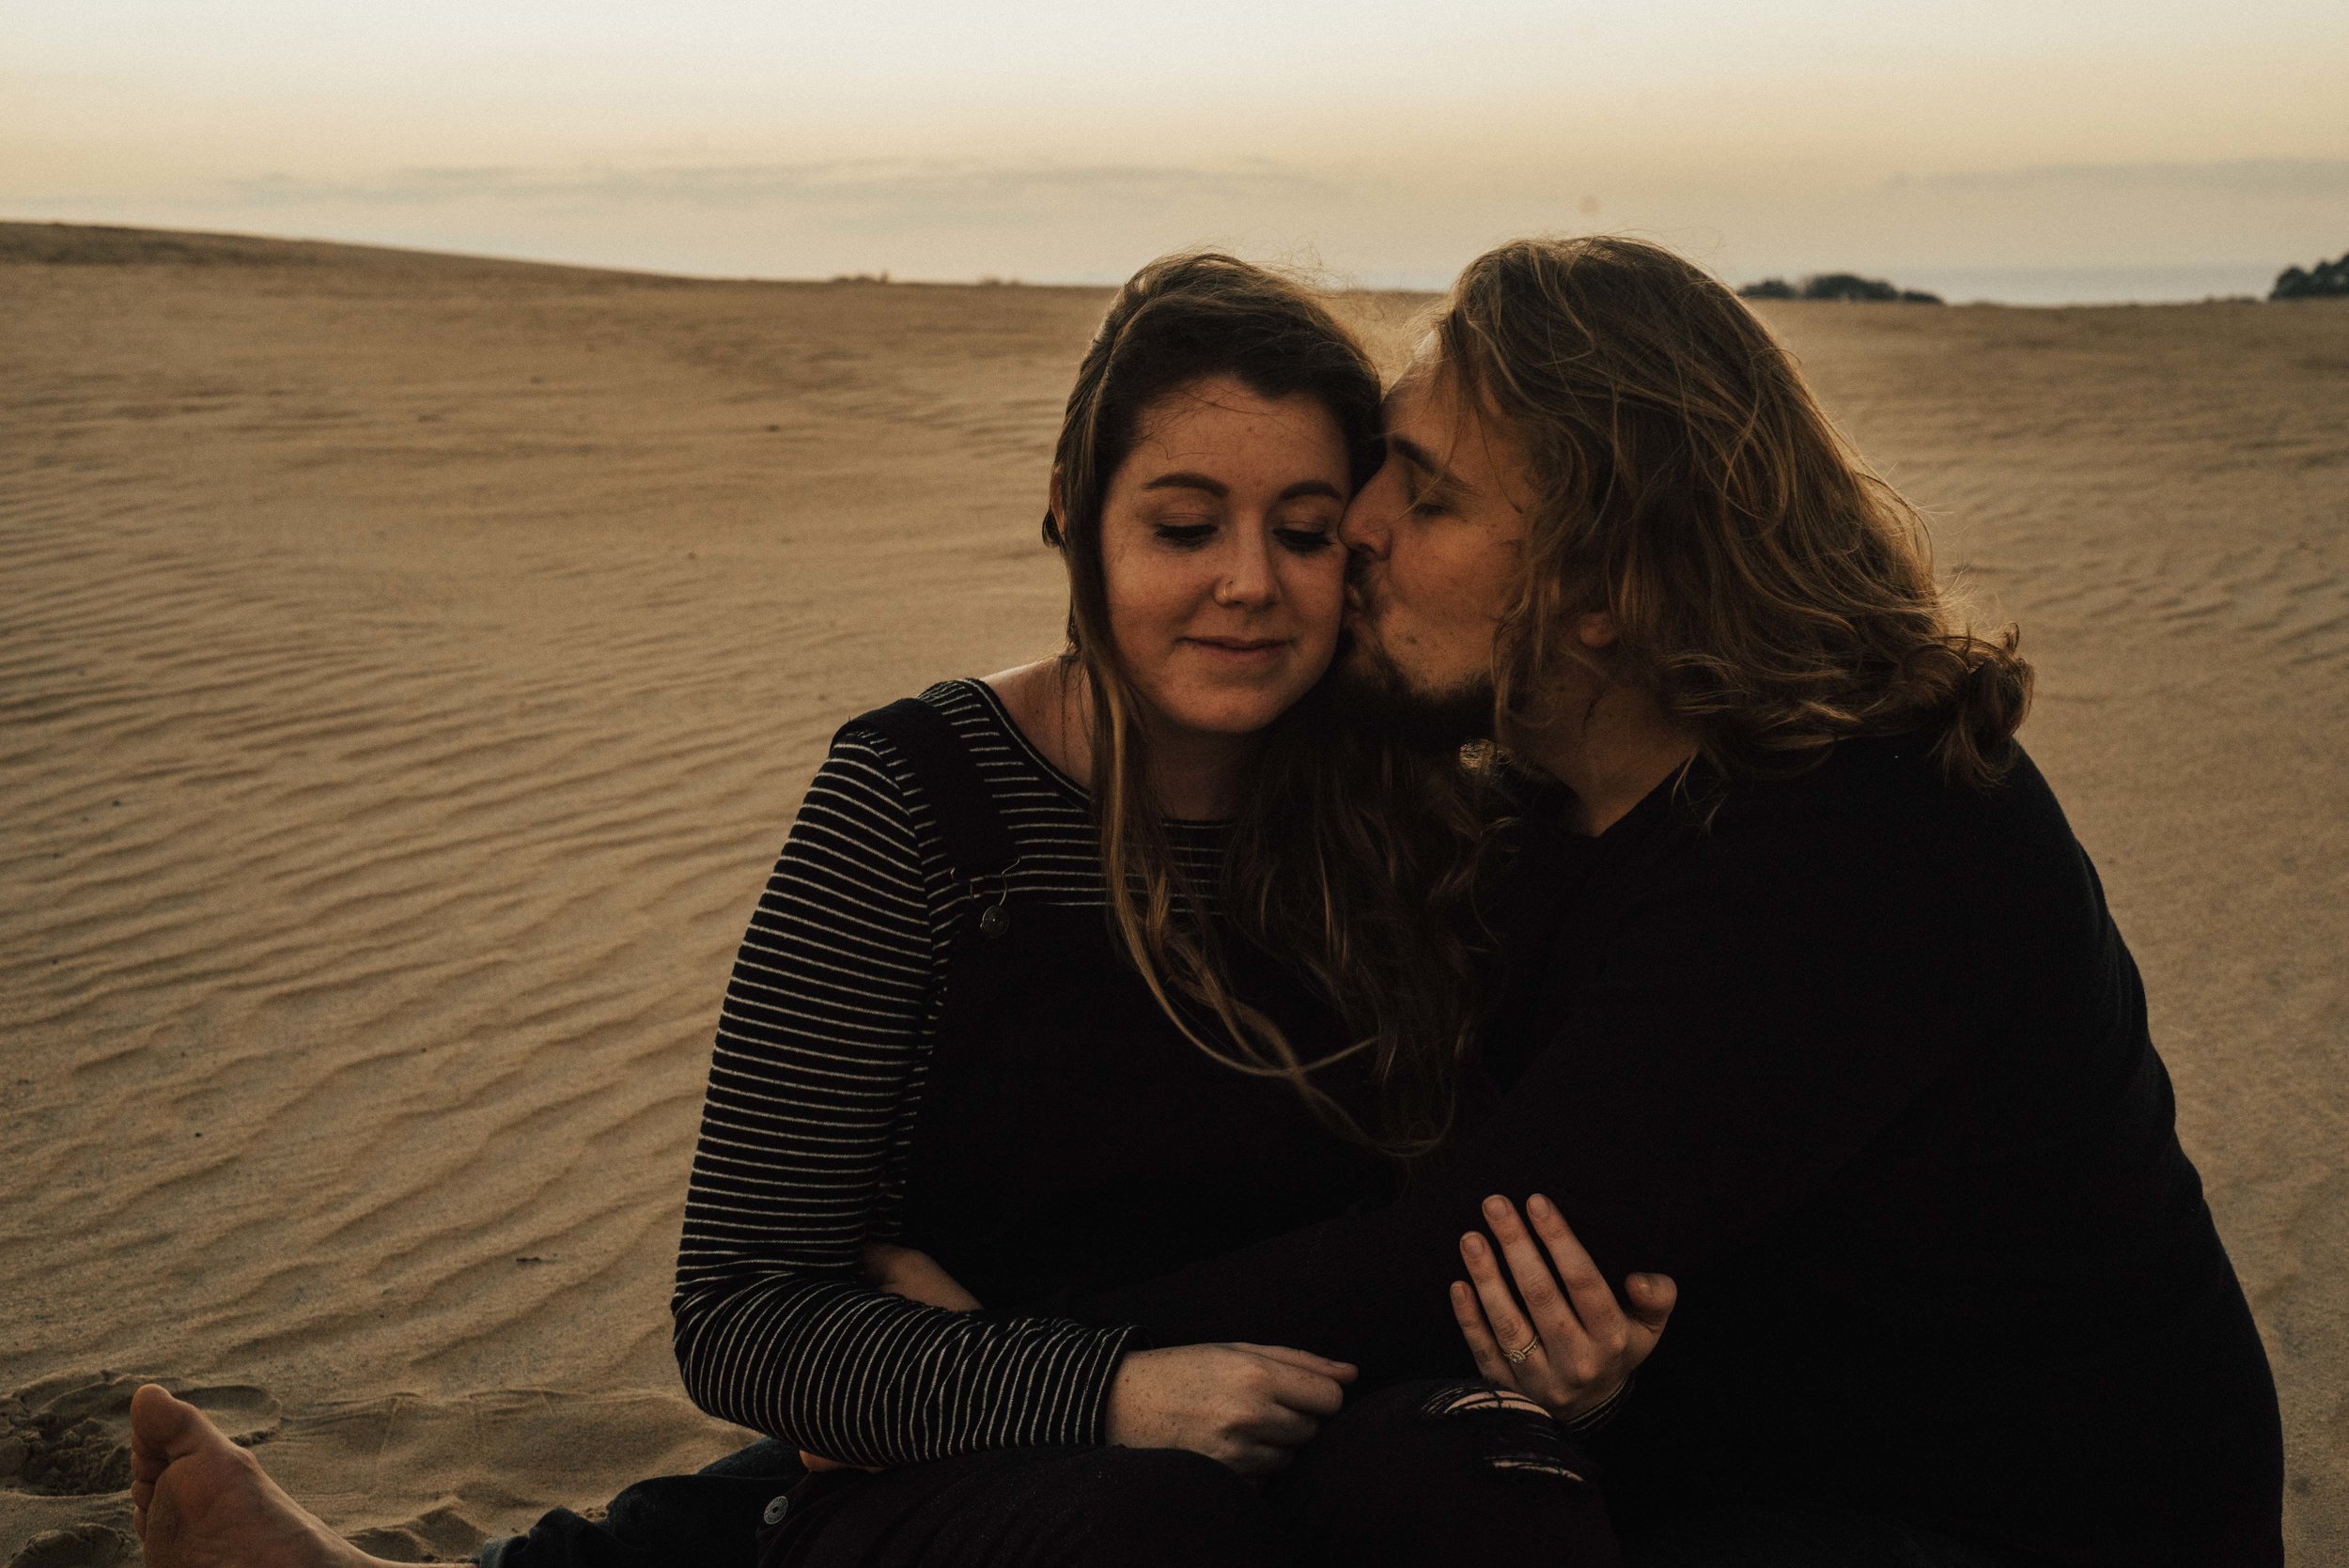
<point>1424,460</point>
<point>1187,481</point>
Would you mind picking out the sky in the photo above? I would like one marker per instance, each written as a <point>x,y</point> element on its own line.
<point>2026,150</point>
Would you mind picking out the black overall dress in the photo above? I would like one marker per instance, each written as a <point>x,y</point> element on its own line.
<point>1069,1136</point>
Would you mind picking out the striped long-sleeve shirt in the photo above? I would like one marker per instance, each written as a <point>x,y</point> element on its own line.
<point>815,1080</point>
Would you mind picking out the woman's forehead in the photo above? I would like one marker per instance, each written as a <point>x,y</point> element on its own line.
<point>1223,409</point>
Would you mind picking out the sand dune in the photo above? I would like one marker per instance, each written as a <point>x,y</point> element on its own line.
<point>410,665</point>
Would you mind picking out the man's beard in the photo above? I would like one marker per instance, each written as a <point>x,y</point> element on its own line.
<point>1367,688</point>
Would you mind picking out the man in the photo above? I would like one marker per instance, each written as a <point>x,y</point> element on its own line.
<point>1825,1018</point>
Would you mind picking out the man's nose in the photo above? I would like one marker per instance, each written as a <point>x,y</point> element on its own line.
<point>1369,521</point>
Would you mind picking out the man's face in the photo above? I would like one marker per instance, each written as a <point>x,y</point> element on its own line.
<point>1437,537</point>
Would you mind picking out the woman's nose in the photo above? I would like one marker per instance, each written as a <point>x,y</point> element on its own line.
<point>1248,579</point>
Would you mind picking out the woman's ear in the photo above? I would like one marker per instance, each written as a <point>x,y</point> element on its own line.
<point>1056,511</point>
<point>1596,630</point>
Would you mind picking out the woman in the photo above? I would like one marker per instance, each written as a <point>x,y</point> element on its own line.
<point>869,997</point>
<point>1065,1035</point>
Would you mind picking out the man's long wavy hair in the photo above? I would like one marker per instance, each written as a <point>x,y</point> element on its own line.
<point>1768,590</point>
<point>1330,868</point>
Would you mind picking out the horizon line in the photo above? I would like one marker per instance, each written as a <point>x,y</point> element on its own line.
<point>889,277</point>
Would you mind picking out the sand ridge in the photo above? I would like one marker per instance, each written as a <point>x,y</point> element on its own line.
<point>410,665</point>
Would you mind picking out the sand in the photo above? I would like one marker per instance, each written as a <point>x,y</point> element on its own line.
<point>410,666</point>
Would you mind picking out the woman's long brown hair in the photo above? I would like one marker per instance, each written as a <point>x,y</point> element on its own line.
<point>1336,866</point>
<point>1767,588</point>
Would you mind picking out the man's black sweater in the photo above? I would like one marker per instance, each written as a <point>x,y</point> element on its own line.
<point>1860,1059</point>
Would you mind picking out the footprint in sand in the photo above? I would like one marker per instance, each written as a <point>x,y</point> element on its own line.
<point>77,1546</point>
<point>70,1435</point>
<point>442,1534</point>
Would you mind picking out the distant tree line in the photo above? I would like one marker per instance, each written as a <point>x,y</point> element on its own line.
<point>2326,280</point>
<point>1839,286</point>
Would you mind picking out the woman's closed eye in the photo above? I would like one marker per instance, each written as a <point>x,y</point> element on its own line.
<point>1184,535</point>
<point>1300,539</point>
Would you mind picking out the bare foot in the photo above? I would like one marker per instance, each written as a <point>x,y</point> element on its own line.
<point>200,1501</point>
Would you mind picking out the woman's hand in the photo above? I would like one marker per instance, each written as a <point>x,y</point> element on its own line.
<point>915,1276</point>
<point>1250,1405</point>
<point>1570,1344</point>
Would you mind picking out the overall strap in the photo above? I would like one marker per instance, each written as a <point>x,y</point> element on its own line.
<point>978,846</point>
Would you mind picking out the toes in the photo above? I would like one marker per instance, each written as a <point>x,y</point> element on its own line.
<point>163,1429</point>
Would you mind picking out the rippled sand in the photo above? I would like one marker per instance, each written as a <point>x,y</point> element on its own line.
<point>410,665</point>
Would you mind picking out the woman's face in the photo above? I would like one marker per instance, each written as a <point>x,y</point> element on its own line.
<point>1219,548</point>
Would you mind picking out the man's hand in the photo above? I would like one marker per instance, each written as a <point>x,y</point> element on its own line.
<point>1250,1405</point>
<point>1570,1344</point>
<point>915,1276</point>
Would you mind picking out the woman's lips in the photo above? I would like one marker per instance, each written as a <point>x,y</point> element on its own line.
<point>1239,650</point>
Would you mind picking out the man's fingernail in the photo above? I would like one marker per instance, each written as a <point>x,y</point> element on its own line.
<point>1538,1204</point>
<point>1644,1282</point>
<point>1496,1205</point>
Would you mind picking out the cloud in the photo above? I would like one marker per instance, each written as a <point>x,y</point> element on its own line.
<point>2251,213</point>
<point>2298,178</point>
<point>929,192</point>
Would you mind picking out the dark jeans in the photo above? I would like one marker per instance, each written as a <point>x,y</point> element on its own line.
<point>1807,1538</point>
<point>710,1520</point>
<point>1411,1476</point>
<point>1402,1478</point>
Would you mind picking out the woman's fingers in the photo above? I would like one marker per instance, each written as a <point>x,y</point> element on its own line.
<point>1344,1372</point>
<point>1280,1426</point>
<point>1258,1458</point>
<point>1298,1378</point>
<point>1470,1314</point>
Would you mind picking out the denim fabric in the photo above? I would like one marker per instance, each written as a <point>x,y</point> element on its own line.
<point>707,1520</point>
<point>1807,1538</point>
<point>1415,1476</point>
<point>714,1519</point>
